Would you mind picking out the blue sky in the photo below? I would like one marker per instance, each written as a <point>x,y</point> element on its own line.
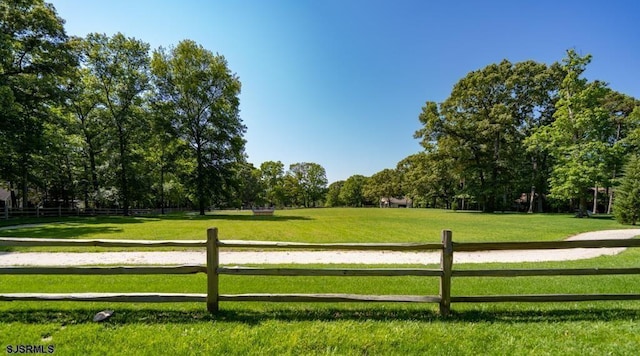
<point>342,82</point>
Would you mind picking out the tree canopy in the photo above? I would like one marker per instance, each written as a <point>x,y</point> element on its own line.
<point>627,203</point>
<point>200,91</point>
<point>515,133</point>
<point>102,122</point>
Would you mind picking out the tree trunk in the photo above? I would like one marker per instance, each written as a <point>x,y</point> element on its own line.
<point>123,177</point>
<point>25,188</point>
<point>531,199</point>
<point>14,199</point>
<point>94,177</point>
<point>162,189</point>
<point>86,186</point>
<point>200,180</point>
<point>583,207</point>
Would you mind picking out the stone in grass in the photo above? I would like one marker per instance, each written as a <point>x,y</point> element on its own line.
<point>103,315</point>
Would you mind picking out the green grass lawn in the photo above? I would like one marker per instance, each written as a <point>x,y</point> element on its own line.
<point>584,328</point>
<point>399,329</point>
<point>323,225</point>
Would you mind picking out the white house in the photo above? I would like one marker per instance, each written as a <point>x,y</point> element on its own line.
<point>5,197</point>
<point>396,203</point>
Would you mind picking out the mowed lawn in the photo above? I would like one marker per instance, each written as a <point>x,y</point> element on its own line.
<point>323,225</point>
<point>584,328</point>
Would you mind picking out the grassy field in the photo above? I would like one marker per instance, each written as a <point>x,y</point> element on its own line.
<point>342,329</point>
<point>323,225</point>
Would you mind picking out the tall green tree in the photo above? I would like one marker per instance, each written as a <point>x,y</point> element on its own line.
<point>632,140</point>
<point>203,95</point>
<point>34,60</point>
<point>624,113</point>
<point>579,138</point>
<point>272,177</point>
<point>427,177</point>
<point>310,182</point>
<point>352,192</point>
<point>384,184</point>
<point>333,194</point>
<point>249,191</point>
<point>57,173</point>
<point>626,207</point>
<point>120,67</point>
<point>83,104</point>
<point>167,158</point>
<point>482,124</point>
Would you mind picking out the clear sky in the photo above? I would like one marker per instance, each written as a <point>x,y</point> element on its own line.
<point>342,82</point>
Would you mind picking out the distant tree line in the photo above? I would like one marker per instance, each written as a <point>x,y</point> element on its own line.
<point>103,121</point>
<point>516,136</point>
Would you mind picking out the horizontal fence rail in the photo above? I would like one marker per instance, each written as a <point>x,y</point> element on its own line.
<point>104,270</point>
<point>107,297</point>
<point>378,272</point>
<point>16,241</point>
<point>213,269</point>
<point>329,246</point>
<point>107,270</point>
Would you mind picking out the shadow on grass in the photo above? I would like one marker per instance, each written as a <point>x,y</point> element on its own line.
<point>234,217</point>
<point>68,228</point>
<point>124,316</point>
<point>59,232</point>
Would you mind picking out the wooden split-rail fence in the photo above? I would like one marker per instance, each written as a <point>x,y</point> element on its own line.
<point>213,269</point>
<point>10,213</point>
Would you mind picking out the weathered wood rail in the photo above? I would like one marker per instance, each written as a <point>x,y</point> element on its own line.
<point>7,213</point>
<point>213,269</point>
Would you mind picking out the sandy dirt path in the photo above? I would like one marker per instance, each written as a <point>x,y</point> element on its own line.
<point>313,257</point>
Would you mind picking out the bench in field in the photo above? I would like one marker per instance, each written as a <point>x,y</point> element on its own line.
<point>263,212</point>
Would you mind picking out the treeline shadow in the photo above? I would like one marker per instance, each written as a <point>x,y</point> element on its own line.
<point>64,232</point>
<point>124,316</point>
<point>136,219</point>
<point>59,232</point>
<point>233,217</point>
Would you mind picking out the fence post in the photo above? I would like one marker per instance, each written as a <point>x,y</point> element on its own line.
<point>6,210</point>
<point>446,264</point>
<point>212,269</point>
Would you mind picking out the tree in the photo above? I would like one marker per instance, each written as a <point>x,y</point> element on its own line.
<point>248,187</point>
<point>310,182</point>
<point>481,126</point>
<point>203,95</point>
<point>624,112</point>
<point>427,176</point>
<point>384,184</point>
<point>626,206</point>
<point>272,177</point>
<point>120,66</point>
<point>34,59</point>
<point>83,104</point>
<point>579,138</point>
<point>352,192</point>
<point>333,194</point>
<point>165,155</point>
<point>632,141</point>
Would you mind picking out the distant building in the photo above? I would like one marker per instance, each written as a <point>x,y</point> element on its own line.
<point>396,203</point>
<point>5,197</point>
